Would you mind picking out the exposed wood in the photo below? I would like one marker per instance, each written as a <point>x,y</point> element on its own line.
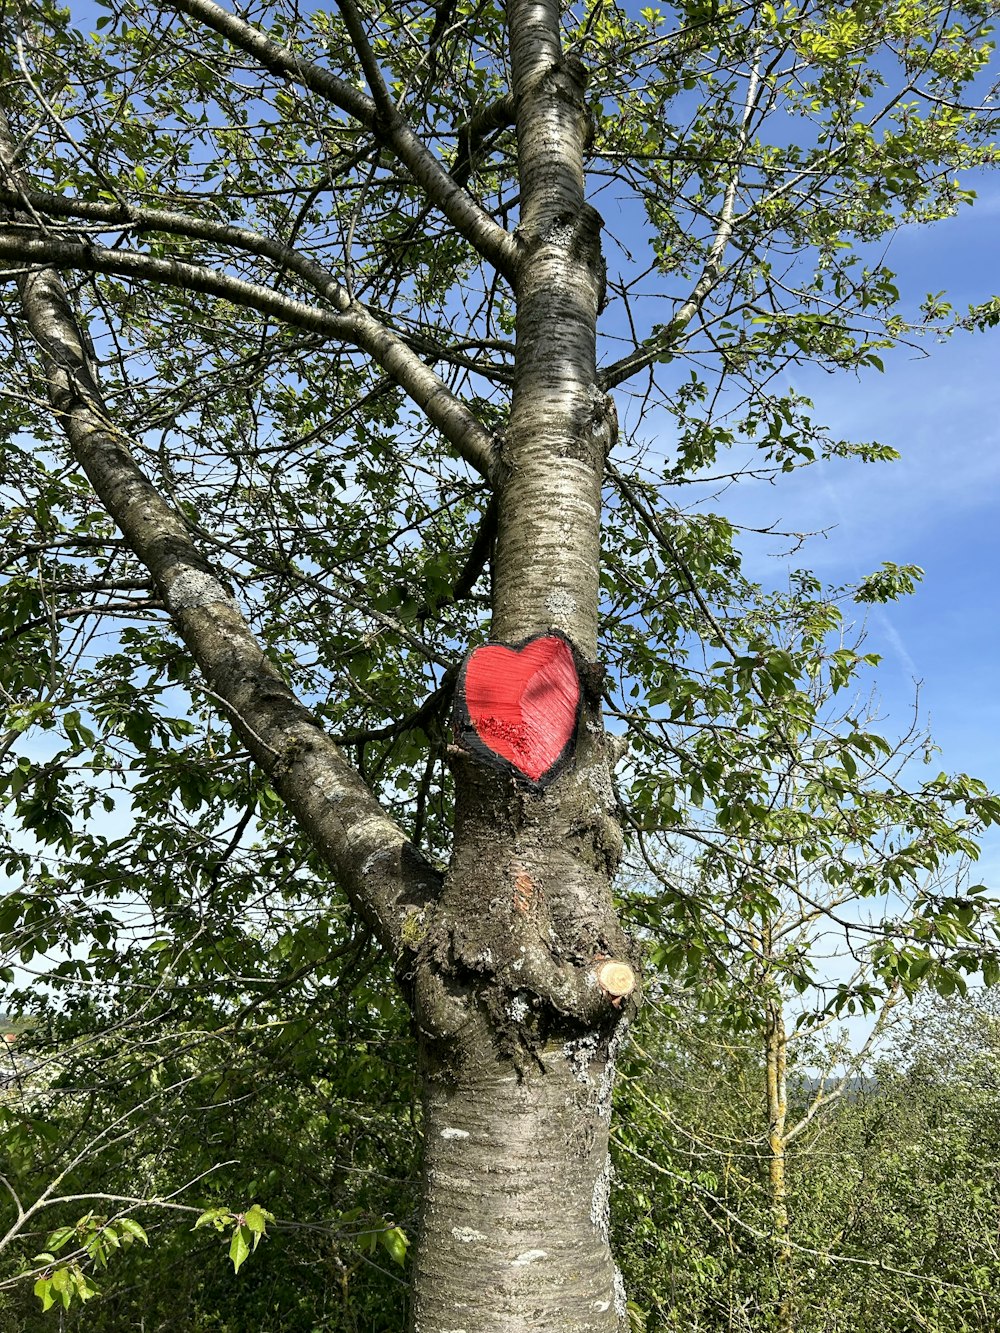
<point>616,978</point>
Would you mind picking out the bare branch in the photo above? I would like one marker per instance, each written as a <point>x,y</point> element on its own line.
<point>497,116</point>
<point>362,46</point>
<point>354,325</point>
<point>711,272</point>
<point>18,248</point>
<point>132,217</point>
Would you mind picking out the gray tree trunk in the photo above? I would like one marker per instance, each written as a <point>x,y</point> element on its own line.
<point>518,1032</point>
<point>516,1180</point>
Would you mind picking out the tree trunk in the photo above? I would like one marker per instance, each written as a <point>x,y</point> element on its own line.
<point>516,1182</point>
<point>518,1036</point>
<point>517,1019</point>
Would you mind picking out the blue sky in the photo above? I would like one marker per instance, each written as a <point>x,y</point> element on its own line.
<point>936,507</point>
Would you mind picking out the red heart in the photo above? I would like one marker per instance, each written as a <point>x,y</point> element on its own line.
<point>523,703</point>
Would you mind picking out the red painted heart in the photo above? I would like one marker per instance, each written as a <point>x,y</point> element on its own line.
<point>523,703</point>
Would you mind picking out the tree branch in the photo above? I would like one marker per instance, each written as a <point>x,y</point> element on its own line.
<point>430,706</point>
<point>363,49</point>
<point>18,247</point>
<point>133,217</point>
<point>653,349</point>
<point>471,133</point>
<point>126,608</point>
<point>384,876</point>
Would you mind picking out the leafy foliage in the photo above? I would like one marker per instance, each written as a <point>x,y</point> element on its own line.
<point>893,1201</point>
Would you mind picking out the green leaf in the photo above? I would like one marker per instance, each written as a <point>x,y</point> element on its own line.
<point>395,1243</point>
<point>256,1219</point>
<point>130,1227</point>
<point>43,1290</point>
<point>61,1237</point>
<point>239,1248</point>
<point>214,1217</point>
<point>63,1285</point>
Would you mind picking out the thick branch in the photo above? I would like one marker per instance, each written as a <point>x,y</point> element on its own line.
<point>497,116</point>
<point>172,222</point>
<point>382,873</point>
<point>18,247</point>
<point>363,49</point>
<point>389,127</point>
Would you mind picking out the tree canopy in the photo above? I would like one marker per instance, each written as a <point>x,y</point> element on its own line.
<point>342,341</point>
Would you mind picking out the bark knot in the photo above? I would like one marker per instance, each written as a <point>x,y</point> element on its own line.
<point>568,78</point>
<point>603,420</point>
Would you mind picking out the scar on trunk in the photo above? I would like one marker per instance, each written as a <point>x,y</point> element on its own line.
<point>525,890</point>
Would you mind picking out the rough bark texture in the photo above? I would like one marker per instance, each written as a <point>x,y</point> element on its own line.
<point>518,1036</point>
<point>516,1181</point>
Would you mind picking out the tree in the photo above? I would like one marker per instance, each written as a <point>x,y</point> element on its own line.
<point>309,301</point>
<point>769,939</point>
<point>852,862</point>
<point>894,1202</point>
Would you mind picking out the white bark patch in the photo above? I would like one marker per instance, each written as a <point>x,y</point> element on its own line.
<point>529,1257</point>
<point>560,605</point>
<point>579,1055</point>
<point>600,1306</point>
<point>600,1204</point>
<point>194,588</point>
<point>467,1234</point>
<point>621,1303</point>
<point>450,1133</point>
<point>374,828</point>
<point>607,1087</point>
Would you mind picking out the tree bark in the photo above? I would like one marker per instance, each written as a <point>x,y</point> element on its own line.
<point>516,1181</point>
<point>518,1035</point>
